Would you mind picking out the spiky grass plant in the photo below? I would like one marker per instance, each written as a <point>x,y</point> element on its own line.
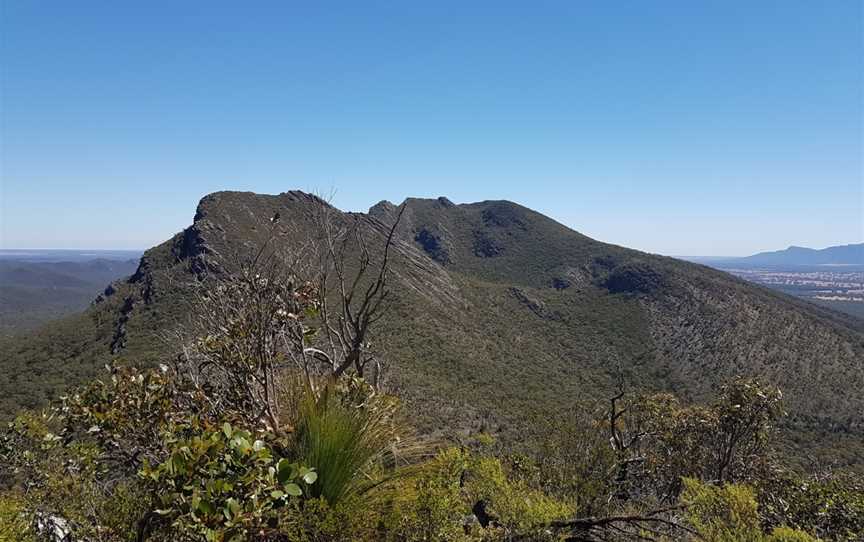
<point>354,439</point>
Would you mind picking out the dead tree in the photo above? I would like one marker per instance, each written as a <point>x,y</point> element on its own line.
<point>309,308</point>
<point>352,288</point>
<point>625,436</point>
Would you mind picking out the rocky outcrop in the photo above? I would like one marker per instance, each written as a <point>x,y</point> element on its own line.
<point>534,305</point>
<point>486,246</point>
<point>118,342</point>
<point>106,293</point>
<point>635,278</point>
<point>383,210</point>
<point>432,243</point>
<point>561,283</point>
<point>51,528</point>
<point>192,247</point>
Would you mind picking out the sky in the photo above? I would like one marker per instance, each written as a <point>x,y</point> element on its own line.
<point>712,128</point>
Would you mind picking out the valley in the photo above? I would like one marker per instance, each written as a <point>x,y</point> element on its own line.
<point>38,286</point>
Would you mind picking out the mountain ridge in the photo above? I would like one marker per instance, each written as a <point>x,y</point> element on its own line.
<point>500,316</point>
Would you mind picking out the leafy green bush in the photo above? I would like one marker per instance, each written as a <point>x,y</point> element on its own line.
<point>830,507</point>
<point>14,526</point>
<point>68,479</point>
<point>223,484</point>
<point>143,455</point>
<point>722,514</point>
<point>729,513</point>
<point>787,534</point>
<point>460,495</point>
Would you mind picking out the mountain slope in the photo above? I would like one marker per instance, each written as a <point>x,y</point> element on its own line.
<point>500,317</point>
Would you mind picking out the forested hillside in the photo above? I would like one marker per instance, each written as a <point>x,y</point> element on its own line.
<point>277,418</point>
<point>498,316</point>
<point>34,292</point>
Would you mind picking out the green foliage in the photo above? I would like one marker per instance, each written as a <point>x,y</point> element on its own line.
<point>516,506</point>
<point>202,476</point>
<point>223,483</point>
<point>722,514</point>
<point>348,432</point>
<point>472,355</point>
<point>433,506</point>
<point>70,480</point>
<point>729,513</point>
<point>249,325</point>
<point>787,534</point>
<point>573,462</point>
<point>133,410</point>
<point>641,449</point>
<point>727,440</point>
<point>314,520</point>
<point>430,507</point>
<point>830,507</point>
<point>225,445</point>
<point>38,367</point>
<point>143,452</point>
<point>14,525</point>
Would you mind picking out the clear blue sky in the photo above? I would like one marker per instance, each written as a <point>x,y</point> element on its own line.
<point>691,127</point>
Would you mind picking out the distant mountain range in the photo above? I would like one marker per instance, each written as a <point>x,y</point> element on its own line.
<point>499,317</point>
<point>794,256</point>
<point>66,255</point>
<point>838,255</point>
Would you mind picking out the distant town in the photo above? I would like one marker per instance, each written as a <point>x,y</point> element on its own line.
<point>838,287</point>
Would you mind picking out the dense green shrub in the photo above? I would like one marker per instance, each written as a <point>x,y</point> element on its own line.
<point>223,484</point>
<point>14,524</point>
<point>729,513</point>
<point>722,514</point>
<point>830,507</point>
<point>143,454</point>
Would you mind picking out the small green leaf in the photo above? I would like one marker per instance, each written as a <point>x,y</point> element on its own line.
<point>293,490</point>
<point>277,494</point>
<point>206,508</point>
<point>283,469</point>
<point>232,509</point>
<point>310,477</point>
<point>226,428</point>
